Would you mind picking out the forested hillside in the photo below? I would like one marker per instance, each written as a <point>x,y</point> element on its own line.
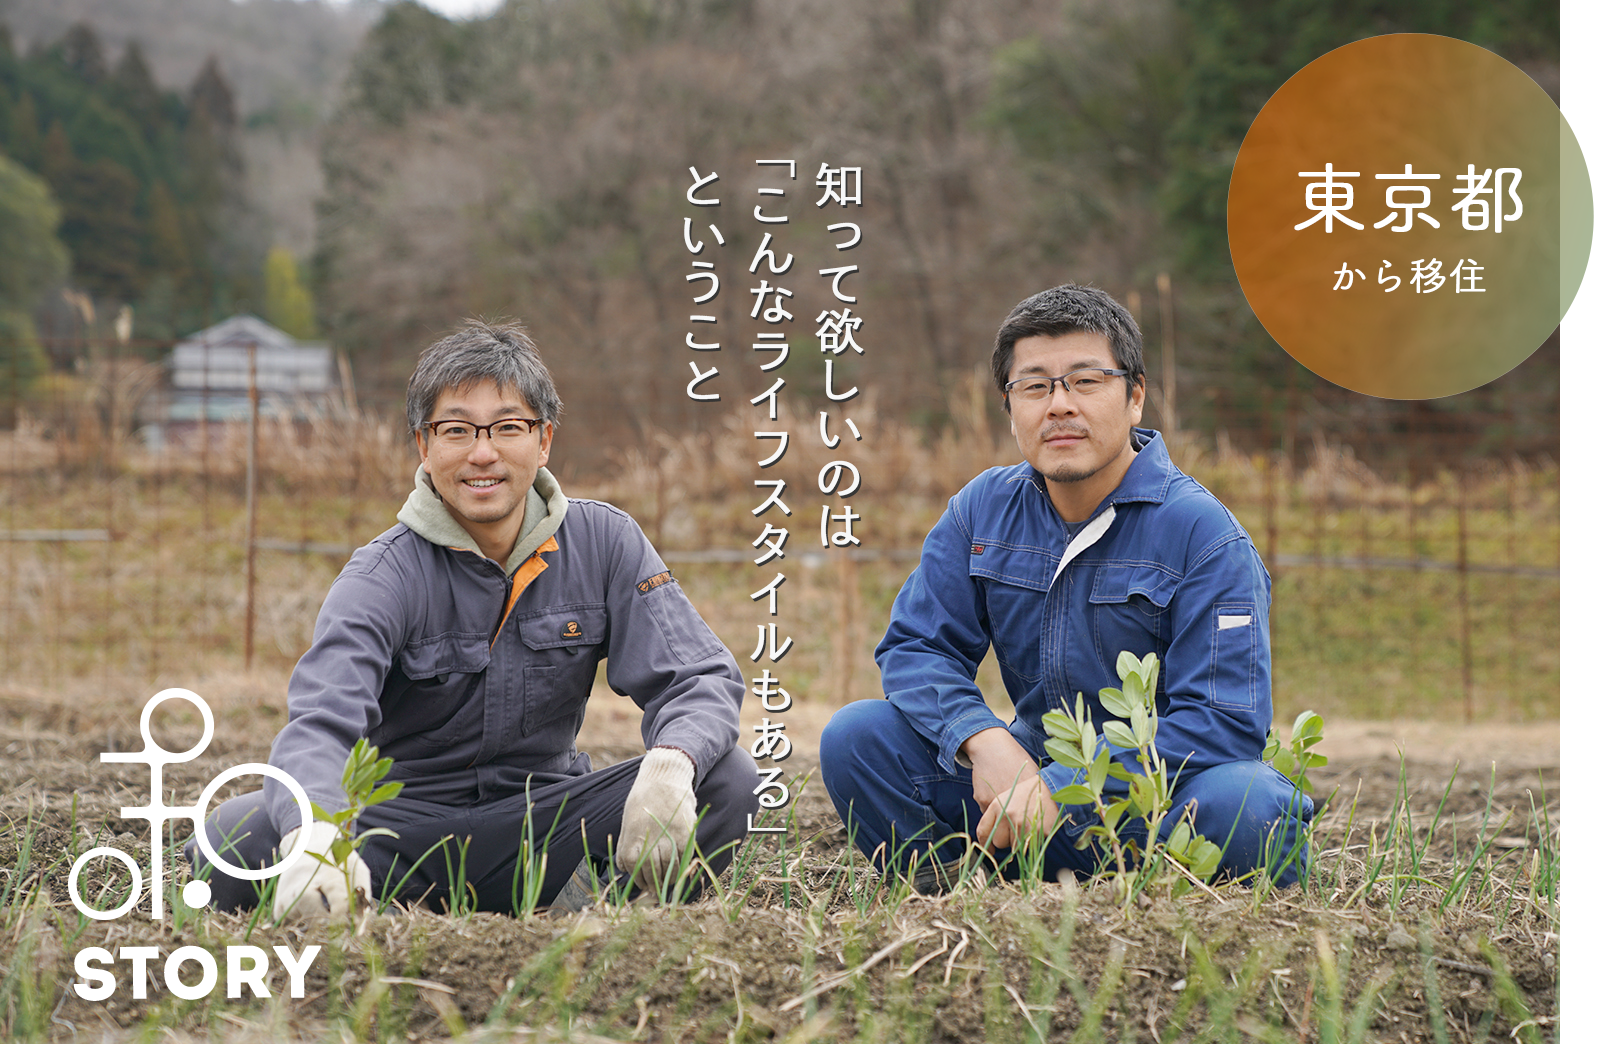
<point>186,237</point>
<point>534,163</point>
<point>279,54</point>
<point>149,182</point>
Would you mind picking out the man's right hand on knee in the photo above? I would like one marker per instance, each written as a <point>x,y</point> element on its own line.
<point>315,886</point>
<point>1017,802</point>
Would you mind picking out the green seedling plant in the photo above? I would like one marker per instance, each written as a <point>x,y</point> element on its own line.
<point>1294,757</point>
<point>360,781</point>
<point>1074,741</point>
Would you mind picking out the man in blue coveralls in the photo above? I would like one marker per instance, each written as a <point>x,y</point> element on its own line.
<point>1094,545</point>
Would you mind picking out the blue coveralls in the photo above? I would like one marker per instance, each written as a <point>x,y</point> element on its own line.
<point>1160,566</point>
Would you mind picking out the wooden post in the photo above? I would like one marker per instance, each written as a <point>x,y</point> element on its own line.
<point>250,507</point>
<point>843,644</point>
<point>1170,412</point>
<point>1465,637</point>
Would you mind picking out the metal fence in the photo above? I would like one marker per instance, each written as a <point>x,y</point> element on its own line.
<point>132,558</point>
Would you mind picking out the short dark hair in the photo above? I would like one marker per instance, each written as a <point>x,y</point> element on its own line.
<point>481,351</point>
<point>1068,309</point>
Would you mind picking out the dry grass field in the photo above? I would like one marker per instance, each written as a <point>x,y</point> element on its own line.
<point>1430,914</point>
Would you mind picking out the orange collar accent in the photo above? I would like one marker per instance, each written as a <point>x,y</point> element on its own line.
<point>532,567</point>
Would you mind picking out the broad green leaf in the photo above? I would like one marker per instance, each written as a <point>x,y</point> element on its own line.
<point>1119,772</point>
<point>384,793</point>
<point>1097,772</point>
<point>1119,734</point>
<point>1206,864</point>
<point>1075,794</point>
<point>1142,798</point>
<point>1060,725</point>
<point>1315,761</point>
<point>320,814</point>
<point>1117,703</point>
<point>1127,664</point>
<point>1064,753</point>
<point>1179,837</point>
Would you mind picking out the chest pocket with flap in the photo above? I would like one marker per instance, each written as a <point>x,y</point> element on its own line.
<point>1131,604</point>
<point>422,703</point>
<point>1015,582</point>
<point>562,646</point>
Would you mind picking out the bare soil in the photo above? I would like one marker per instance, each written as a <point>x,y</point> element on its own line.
<point>973,965</point>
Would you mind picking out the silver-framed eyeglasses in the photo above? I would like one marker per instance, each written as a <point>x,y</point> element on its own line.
<point>506,432</point>
<point>1088,381</point>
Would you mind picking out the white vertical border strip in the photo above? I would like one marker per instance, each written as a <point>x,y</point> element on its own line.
<point>1576,640</point>
<point>1580,565</point>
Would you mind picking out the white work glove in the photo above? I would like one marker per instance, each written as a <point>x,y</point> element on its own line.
<point>309,889</point>
<point>658,817</point>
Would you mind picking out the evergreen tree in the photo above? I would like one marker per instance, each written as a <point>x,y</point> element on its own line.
<point>150,184</point>
<point>169,249</point>
<point>99,227</point>
<point>211,94</point>
<point>24,143</point>
<point>413,60</point>
<point>134,90</point>
<point>213,168</point>
<point>82,53</point>
<point>56,159</point>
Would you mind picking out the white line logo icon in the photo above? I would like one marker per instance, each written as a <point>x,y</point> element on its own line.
<point>196,893</point>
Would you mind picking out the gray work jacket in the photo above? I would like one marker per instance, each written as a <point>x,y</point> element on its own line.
<point>416,649</point>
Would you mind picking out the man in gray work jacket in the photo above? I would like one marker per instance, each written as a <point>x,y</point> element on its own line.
<point>463,643</point>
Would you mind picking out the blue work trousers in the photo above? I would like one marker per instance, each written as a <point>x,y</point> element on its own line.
<point>897,802</point>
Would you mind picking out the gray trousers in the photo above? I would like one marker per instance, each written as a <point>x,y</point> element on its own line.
<point>568,820</point>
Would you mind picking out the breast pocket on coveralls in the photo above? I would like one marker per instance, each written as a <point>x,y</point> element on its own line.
<point>1131,604</point>
<point>425,704</point>
<point>563,645</point>
<point>1015,582</point>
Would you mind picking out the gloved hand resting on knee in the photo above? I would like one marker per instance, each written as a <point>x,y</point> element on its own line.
<point>658,816</point>
<point>313,886</point>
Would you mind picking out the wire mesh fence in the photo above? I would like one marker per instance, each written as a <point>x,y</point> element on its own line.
<point>1421,589</point>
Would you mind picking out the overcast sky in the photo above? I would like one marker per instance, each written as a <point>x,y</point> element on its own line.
<point>462,8</point>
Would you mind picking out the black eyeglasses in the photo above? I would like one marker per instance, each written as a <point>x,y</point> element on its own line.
<point>1088,381</point>
<point>506,432</point>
